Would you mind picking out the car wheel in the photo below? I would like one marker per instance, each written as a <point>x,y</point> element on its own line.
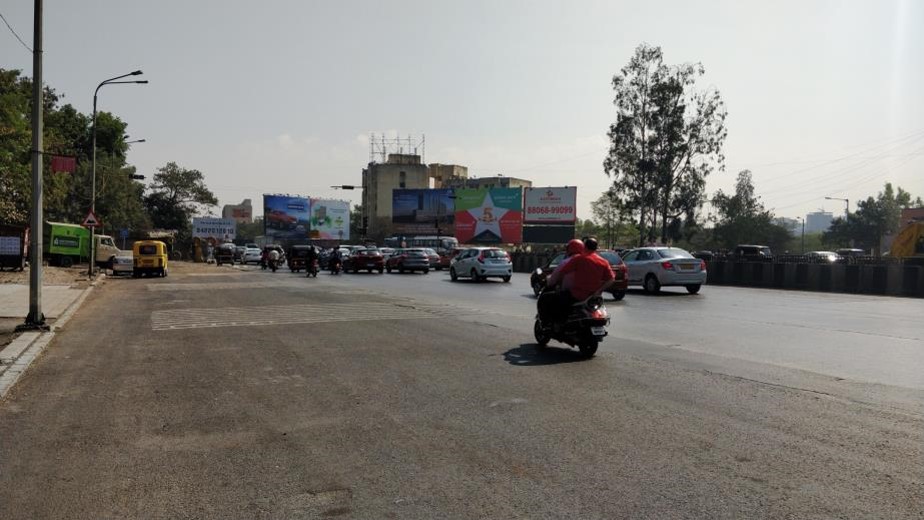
<point>506,279</point>
<point>693,289</point>
<point>66,261</point>
<point>618,295</point>
<point>388,269</point>
<point>452,274</point>
<point>381,270</point>
<point>652,285</point>
<point>401,270</point>
<point>542,336</point>
<point>588,349</point>
<point>474,274</point>
<point>426,271</point>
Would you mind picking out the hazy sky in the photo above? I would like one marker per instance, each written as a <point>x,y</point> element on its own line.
<point>824,98</point>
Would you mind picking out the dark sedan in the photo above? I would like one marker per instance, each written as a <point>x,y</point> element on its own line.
<point>538,279</point>
<point>364,260</point>
<point>408,260</point>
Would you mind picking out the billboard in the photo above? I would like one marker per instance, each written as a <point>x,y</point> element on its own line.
<point>550,205</point>
<point>489,216</point>
<point>286,216</point>
<point>216,228</point>
<point>330,219</point>
<point>416,212</point>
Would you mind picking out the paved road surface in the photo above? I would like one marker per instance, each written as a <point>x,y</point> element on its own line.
<point>259,395</point>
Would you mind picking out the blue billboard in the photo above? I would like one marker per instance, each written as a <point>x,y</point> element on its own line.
<point>422,211</point>
<point>286,217</point>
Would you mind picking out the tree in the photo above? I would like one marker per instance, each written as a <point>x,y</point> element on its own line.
<point>356,222</point>
<point>873,219</point>
<point>175,196</point>
<point>742,218</point>
<point>611,215</point>
<point>667,138</point>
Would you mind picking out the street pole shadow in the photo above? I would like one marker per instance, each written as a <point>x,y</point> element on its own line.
<point>530,355</point>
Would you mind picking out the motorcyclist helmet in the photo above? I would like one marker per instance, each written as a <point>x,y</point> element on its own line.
<point>575,247</point>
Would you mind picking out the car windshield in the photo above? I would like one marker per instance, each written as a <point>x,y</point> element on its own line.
<point>611,257</point>
<point>673,252</point>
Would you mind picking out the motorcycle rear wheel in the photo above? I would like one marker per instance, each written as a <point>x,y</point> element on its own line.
<point>588,349</point>
<point>542,336</point>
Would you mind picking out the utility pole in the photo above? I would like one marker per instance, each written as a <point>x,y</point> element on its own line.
<point>803,235</point>
<point>36,318</point>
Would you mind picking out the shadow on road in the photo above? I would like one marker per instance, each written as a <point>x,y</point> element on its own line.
<point>529,355</point>
<point>662,293</point>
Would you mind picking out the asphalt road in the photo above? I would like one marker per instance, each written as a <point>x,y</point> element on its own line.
<point>229,394</point>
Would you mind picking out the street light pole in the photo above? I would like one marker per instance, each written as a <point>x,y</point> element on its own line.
<point>110,81</point>
<point>845,201</point>
<point>36,319</point>
<point>803,235</point>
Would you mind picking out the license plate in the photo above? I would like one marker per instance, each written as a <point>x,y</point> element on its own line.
<point>687,267</point>
<point>598,331</point>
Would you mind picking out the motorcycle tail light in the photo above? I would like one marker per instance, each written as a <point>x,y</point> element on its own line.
<point>599,314</point>
<point>702,265</point>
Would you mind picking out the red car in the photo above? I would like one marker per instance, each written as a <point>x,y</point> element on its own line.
<point>364,260</point>
<point>620,272</point>
<point>408,260</point>
<point>446,258</point>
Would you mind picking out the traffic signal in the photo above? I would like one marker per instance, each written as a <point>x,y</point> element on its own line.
<point>136,177</point>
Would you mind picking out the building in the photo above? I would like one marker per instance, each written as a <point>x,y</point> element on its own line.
<point>399,171</point>
<point>499,181</point>
<point>444,175</point>
<point>242,213</point>
<point>818,222</point>
<point>793,225</point>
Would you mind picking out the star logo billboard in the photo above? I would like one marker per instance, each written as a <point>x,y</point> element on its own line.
<point>492,216</point>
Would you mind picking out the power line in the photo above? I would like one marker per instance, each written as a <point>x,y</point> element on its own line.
<point>8,26</point>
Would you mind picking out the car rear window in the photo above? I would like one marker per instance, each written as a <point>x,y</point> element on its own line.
<point>147,250</point>
<point>611,257</point>
<point>674,253</point>
<point>494,253</point>
<point>416,253</point>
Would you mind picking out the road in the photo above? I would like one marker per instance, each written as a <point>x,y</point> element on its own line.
<point>227,393</point>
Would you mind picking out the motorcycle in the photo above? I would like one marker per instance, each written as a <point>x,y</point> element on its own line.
<point>584,327</point>
<point>273,264</point>
<point>335,266</point>
<point>312,269</point>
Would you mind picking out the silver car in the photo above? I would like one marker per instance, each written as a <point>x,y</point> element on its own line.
<point>479,263</point>
<point>656,267</point>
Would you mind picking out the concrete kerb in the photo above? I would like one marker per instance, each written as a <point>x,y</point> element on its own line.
<point>22,351</point>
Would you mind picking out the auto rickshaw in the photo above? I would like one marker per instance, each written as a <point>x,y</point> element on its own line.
<point>297,257</point>
<point>150,258</point>
<point>224,254</point>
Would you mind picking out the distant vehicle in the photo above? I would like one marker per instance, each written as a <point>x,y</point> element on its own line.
<point>386,252</point>
<point>298,257</point>
<point>537,279</point>
<point>408,260</point>
<point>239,254</point>
<point>656,267</point>
<point>752,250</point>
<point>824,256</point>
<point>441,243</point>
<point>480,263</point>
<point>69,244</point>
<point>704,255</point>
<point>251,246</point>
<point>150,257</point>
<point>364,260</point>
<point>123,264</point>
<point>850,252</point>
<point>448,256</point>
<point>224,254</point>
<point>433,257</point>
<point>252,255</point>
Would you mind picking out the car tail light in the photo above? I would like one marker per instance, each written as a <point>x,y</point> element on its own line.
<point>702,265</point>
<point>667,266</point>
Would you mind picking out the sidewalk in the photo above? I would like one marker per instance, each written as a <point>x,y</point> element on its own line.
<point>14,300</point>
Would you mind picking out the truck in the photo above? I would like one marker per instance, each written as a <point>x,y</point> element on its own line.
<point>909,243</point>
<point>69,244</point>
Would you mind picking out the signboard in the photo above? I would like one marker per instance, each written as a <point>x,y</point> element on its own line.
<point>550,205</point>
<point>420,212</point>
<point>330,219</point>
<point>91,220</point>
<point>286,217</point>
<point>10,246</point>
<point>123,233</point>
<point>548,234</point>
<point>218,228</point>
<point>489,216</point>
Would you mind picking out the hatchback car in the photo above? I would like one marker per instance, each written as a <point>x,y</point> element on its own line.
<point>480,263</point>
<point>539,276</point>
<point>656,267</point>
<point>123,264</point>
<point>364,260</point>
<point>408,260</point>
<point>252,255</point>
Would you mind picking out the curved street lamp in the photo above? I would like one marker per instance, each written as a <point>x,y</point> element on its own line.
<point>110,81</point>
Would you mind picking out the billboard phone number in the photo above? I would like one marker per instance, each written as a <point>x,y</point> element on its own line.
<point>550,210</point>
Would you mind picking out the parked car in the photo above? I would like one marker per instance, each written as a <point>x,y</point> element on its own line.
<point>538,279</point>
<point>364,260</point>
<point>386,252</point>
<point>656,267</point>
<point>480,263</point>
<point>850,252</point>
<point>823,256</point>
<point>704,255</point>
<point>433,257</point>
<point>752,250</point>
<point>252,255</point>
<point>123,264</point>
<point>408,260</point>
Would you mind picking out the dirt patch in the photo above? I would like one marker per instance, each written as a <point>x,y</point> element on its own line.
<point>74,276</point>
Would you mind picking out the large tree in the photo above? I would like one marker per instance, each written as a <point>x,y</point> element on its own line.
<point>667,138</point>
<point>175,196</point>
<point>742,219</point>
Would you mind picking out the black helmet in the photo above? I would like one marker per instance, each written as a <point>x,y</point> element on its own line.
<point>590,244</point>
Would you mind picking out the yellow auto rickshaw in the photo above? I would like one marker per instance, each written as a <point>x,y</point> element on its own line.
<point>150,258</point>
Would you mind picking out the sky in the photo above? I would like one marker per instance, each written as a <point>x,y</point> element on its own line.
<point>824,98</point>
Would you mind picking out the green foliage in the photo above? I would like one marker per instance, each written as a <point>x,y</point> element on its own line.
<point>667,138</point>
<point>874,218</point>
<point>742,219</point>
<point>175,196</point>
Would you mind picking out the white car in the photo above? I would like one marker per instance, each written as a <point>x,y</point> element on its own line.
<point>656,267</point>
<point>252,255</point>
<point>480,263</point>
<point>123,264</point>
